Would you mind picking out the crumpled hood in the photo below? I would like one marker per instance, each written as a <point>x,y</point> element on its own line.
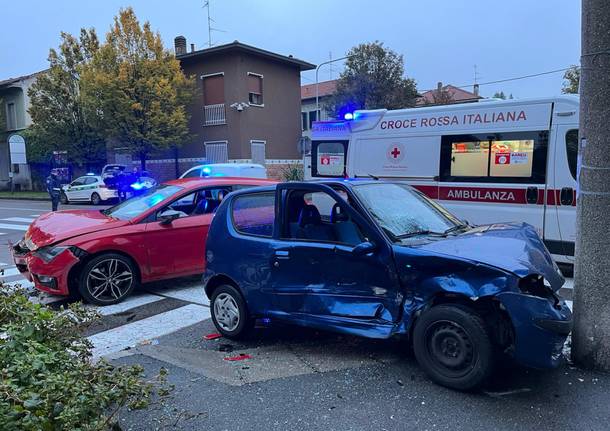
<point>513,247</point>
<point>59,226</point>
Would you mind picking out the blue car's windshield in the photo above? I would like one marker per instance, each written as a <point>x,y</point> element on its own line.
<point>403,212</point>
<point>135,206</point>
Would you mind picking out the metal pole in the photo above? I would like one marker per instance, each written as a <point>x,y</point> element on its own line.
<point>591,334</point>
<point>318,84</point>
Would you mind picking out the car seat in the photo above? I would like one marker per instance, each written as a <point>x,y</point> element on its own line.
<point>311,227</point>
<point>345,230</point>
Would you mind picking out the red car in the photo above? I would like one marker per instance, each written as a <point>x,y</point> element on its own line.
<point>103,255</point>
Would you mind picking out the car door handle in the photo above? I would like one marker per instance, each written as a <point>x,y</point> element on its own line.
<point>282,254</point>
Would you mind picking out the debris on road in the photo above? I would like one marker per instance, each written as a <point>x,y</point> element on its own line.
<point>239,357</point>
<point>212,336</point>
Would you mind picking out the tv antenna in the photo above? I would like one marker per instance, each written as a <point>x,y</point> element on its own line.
<point>476,74</point>
<point>206,4</point>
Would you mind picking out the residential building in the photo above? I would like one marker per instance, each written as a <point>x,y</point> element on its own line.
<point>309,111</point>
<point>246,109</point>
<point>14,105</point>
<point>448,94</point>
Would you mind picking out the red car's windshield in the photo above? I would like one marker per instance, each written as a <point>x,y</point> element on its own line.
<point>136,206</point>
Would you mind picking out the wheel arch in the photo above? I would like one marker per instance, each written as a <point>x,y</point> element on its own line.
<point>74,273</point>
<point>218,280</point>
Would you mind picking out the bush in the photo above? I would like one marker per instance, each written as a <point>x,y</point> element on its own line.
<point>293,173</point>
<point>47,378</point>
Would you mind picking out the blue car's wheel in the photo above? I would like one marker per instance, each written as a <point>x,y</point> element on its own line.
<point>452,345</point>
<point>229,312</point>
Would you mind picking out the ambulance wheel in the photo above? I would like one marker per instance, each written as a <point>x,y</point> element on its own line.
<point>452,345</point>
<point>96,199</point>
<point>63,198</point>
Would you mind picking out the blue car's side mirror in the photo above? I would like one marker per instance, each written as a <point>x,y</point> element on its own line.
<point>364,248</point>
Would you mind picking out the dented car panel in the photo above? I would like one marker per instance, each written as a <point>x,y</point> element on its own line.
<point>382,293</point>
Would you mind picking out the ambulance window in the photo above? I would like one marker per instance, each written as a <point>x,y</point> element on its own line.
<point>512,158</point>
<point>572,150</point>
<point>469,159</point>
<point>330,159</point>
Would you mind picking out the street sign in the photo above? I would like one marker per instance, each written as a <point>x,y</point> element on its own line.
<point>17,149</point>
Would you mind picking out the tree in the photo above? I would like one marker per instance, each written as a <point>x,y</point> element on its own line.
<point>60,119</point>
<point>373,78</point>
<point>138,89</point>
<point>499,95</point>
<point>571,80</point>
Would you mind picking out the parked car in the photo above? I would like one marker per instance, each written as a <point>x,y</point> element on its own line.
<point>103,255</point>
<point>88,188</point>
<point>379,259</point>
<point>245,170</point>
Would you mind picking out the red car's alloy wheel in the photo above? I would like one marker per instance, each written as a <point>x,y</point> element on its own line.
<point>107,279</point>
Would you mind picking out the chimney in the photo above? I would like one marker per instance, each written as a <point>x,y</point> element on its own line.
<point>192,47</point>
<point>476,90</point>
<point>439,86</point>
<point>180,45</point>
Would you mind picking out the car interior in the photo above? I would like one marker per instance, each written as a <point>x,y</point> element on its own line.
<point>199,202</point>
<point>318,217</point>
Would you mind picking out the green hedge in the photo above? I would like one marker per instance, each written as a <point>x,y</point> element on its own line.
<point>47,378</point>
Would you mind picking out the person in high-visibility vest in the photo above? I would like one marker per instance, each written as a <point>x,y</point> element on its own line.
<point>54,189</point>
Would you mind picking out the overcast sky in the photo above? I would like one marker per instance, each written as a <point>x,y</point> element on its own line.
<point>441,40</point>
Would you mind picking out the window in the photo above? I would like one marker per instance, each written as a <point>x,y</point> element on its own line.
<point>257,149</point>
<point>214,99</point>
<point>572,151</point>
<point>11,116</point>
<point>200,202</point>
<point>317,216</point>
<point>255,89</point>
<point>304,123</point>
<point>78,182</point>
<point>216,152</point>
<point>90,180</point>
<point>329,160</point>
<point>503,157</point>
<point>193,173</point>
<point>254,214</point>
<point>137,205</point>
<point>313,116</point>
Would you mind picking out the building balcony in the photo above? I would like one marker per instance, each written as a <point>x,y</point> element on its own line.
<point>214,115</point>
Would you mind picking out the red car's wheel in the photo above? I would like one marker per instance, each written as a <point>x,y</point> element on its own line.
<point>107,279</point>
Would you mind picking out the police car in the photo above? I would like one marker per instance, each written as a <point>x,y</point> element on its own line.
<point>88,188</point>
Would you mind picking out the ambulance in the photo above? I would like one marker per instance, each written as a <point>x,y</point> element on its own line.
<point>489,161</point>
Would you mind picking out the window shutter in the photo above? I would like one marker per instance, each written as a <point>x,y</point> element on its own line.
<point>214,89</point>
<point>255,84</point>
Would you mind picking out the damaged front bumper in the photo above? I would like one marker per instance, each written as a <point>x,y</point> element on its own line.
<point>541,327</point>
<point>48,276</point>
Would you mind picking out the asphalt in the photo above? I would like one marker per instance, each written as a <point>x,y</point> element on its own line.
<point>309,380</point>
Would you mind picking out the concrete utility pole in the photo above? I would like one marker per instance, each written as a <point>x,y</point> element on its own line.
<point>591,335</point>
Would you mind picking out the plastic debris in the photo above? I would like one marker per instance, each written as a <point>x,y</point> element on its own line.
<point>212,336</point>
<point>239,357</point>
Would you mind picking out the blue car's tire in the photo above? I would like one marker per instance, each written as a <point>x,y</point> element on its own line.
<point>452,345</point>
<point>230,312</point>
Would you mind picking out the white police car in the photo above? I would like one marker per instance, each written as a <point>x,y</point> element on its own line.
<point>88,188</point>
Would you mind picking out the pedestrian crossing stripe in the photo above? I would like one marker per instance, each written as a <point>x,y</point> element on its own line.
<point>129,335</point>
<point>19,219</point>
<point>14,226</point>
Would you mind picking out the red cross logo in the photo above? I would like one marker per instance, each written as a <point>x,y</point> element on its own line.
<point>395,152</point>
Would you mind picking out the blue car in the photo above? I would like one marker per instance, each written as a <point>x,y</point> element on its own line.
<point>379,259</point>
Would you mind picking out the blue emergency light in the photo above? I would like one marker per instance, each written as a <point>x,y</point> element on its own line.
<point>348,116</point>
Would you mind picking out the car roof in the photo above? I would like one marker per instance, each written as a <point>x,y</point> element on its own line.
<point>229,165</point>
<point>196,182</point>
